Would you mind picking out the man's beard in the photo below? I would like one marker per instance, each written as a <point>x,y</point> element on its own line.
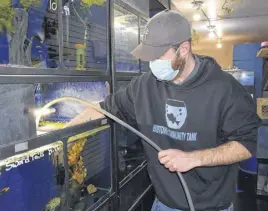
<point>179,64</point>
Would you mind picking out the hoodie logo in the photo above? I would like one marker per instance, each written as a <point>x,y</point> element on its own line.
<point>176,113</point>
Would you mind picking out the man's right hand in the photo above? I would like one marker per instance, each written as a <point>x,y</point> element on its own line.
<point>88,115</point>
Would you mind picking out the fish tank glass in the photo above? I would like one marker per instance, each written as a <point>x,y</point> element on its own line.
<point>262,148</point>
<point>33,180</point>
<point>29,33</point>
<point>16,123</point>
<point>130,150</point>
<point>85,35</point>
<point>59,114</point>
<point>126,35</point>
<point>23,113</point>
<point>38,180</point>
<point>89,168</point>
<point>142,6</point>
<point>244,77</point>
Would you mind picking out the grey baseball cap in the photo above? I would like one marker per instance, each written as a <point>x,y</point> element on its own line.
<point>164,30</point>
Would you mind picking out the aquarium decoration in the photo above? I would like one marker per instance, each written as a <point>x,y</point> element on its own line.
<point>15,22</point>
<point>81,47</point>
<point>77,173</point>
<point>80,56</point>
<point>4,190</point>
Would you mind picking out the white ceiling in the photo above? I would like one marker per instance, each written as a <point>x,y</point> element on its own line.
<point>247,23</point>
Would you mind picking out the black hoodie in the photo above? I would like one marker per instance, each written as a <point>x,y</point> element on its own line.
<point>206,111</point>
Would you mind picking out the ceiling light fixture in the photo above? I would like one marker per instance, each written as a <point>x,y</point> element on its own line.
<point>219,45</point>
<point>212,35</point>
<point>197,4</point>
<point>211,28</point>
<point>196,17</point>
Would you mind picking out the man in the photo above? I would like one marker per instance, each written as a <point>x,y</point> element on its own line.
<point>201,116</point>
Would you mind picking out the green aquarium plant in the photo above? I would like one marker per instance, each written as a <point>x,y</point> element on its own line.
<point>14,21</point>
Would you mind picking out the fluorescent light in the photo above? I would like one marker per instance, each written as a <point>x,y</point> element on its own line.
<point>196,17</point>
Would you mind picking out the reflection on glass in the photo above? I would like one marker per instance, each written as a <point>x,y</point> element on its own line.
<point>140,5</point>
<point>29,33</point>
<point>126,39</point>
<point>16,124</point>
<point>61,113</point>
<point>85,35</point>
<point>130,151</point>
<point>144,65</point>
<point>246,78</point>
<point>89,167</point>
<point>34,180</point>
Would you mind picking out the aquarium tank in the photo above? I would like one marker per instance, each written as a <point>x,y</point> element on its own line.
<point>244,77</point>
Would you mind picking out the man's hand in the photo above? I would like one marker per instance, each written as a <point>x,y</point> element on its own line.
<point>178,161</point>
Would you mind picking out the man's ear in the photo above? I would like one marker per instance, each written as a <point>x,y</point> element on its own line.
<point>185,48</point>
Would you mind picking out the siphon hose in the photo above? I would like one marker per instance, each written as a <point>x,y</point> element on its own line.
<point>119,121</point>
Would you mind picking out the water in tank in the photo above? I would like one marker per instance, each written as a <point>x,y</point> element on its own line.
<point>126,35</point>
<point>85,35</point>
<point>30,180</point>
<point>37,180</point>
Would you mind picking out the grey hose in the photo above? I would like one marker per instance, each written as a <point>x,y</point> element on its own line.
<point>119,121</point>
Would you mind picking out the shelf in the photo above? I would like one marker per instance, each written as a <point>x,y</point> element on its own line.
<point>14,148</point>
<point>263,53</point>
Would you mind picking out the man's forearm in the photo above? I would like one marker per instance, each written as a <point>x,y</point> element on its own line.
<point>226,154</point>
<point>86,115</point>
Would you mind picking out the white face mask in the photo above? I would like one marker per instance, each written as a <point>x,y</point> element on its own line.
<point>162,69</point>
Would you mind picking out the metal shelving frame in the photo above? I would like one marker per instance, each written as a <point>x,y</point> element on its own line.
<point>29,75</point>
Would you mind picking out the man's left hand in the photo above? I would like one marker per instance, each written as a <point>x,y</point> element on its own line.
<point>178,161</point>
